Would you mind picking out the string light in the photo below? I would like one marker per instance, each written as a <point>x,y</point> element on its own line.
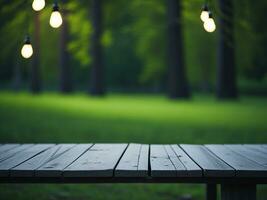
<point>204,13</point>
<point>38,5</point>
<point>55,18</point>
<point>209,24</point>
<point>27,49</point>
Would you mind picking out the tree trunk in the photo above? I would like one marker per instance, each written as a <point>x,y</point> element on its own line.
<point>177,81</point>
<point>35,68</point>
<point>97,71</point>
<point>64,63</point>
<point>226,72</point>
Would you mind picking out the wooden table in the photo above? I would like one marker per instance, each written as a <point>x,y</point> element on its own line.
<point>237,168</point>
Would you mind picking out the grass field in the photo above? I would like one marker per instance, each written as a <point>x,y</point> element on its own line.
<point>125,118</point>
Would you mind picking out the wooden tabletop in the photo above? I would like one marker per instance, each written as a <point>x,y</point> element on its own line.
<point>132,163</point>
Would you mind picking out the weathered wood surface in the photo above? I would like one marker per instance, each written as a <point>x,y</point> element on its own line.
<point>212,166</point>
<point>148,162</point>
<point>27,168</point>
<point>21,157</point>
<point>255,147</point>
<point>7,154</point>
<point>98,161</point>
<point>134,162</point>
<point>251,154</point>
<point>6,147</point>
<point>243,166</point>
<point>55,167</point>
<point>161,165</point>
<point>192,169</point>
<point>143,165</point>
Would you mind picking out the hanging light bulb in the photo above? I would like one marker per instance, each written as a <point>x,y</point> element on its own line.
<point>204,13</point>
<point>209,24</point>
<point>27,50</point>
<point>55,18</point>
<point>38,5</point>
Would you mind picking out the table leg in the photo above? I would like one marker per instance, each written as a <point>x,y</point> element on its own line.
<point>238,191</point>
<point>211,192</point>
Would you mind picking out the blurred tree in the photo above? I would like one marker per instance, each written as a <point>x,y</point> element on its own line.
<point>177,81</point>
<point>97,87</point>
<point>200,48</point>
<point>64,63</point>
<point>134,43</point>
<point>254,16</point>
<point>148,27</point>
<point>35,84</point>
<point>226,72</point>
<point>12,18</point>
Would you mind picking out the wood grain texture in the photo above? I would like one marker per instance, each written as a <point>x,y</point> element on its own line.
<point>27,169</point>
<point>123,162</point>
<point>128,164</point>
<point>7,154</point>
<point>256,147</point>
<point>54,168</point>
<point>211,165</point>
<point>243,166</point>
<point>98,161</point>
<point>7,147</point>
<point>160,163</point>
<point>251,154</point>
<point>134,162</point>
<point>192,169</point>
<point>143,165</point>
<point>21,157</point>
<point>180,168</point>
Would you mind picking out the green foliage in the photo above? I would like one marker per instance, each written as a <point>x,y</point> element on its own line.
<point>49,52</point>
<point>81,30</point>
<point>134,41</point>
<point>12,19</point>
<point>149,29</point>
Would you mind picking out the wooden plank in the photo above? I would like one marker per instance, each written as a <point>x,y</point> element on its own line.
<point>128,164</point>
<point>180,168</point>
<point>7,147</point>
<point>243,166</point>
<point>211,165</point>
<point>193,170</point>
<point>160,163</point>
<point>27,169</point>
<point>61,150</point>
<point>134,162</point>
<point>256,147</point>
<point>13,151</point>
<point>21,157</point>
<point>54,168</point>
<point>143,160</point>
<point>254,155</point>
<point>98,161</point>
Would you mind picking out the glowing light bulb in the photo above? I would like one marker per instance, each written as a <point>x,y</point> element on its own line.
<point>209,24</point>
<point>204,13</point>
<point>38,5</point>
<point>27,49</point>
<point>55,18</point>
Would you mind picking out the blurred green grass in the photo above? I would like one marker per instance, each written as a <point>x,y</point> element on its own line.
<point>51,117</point>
